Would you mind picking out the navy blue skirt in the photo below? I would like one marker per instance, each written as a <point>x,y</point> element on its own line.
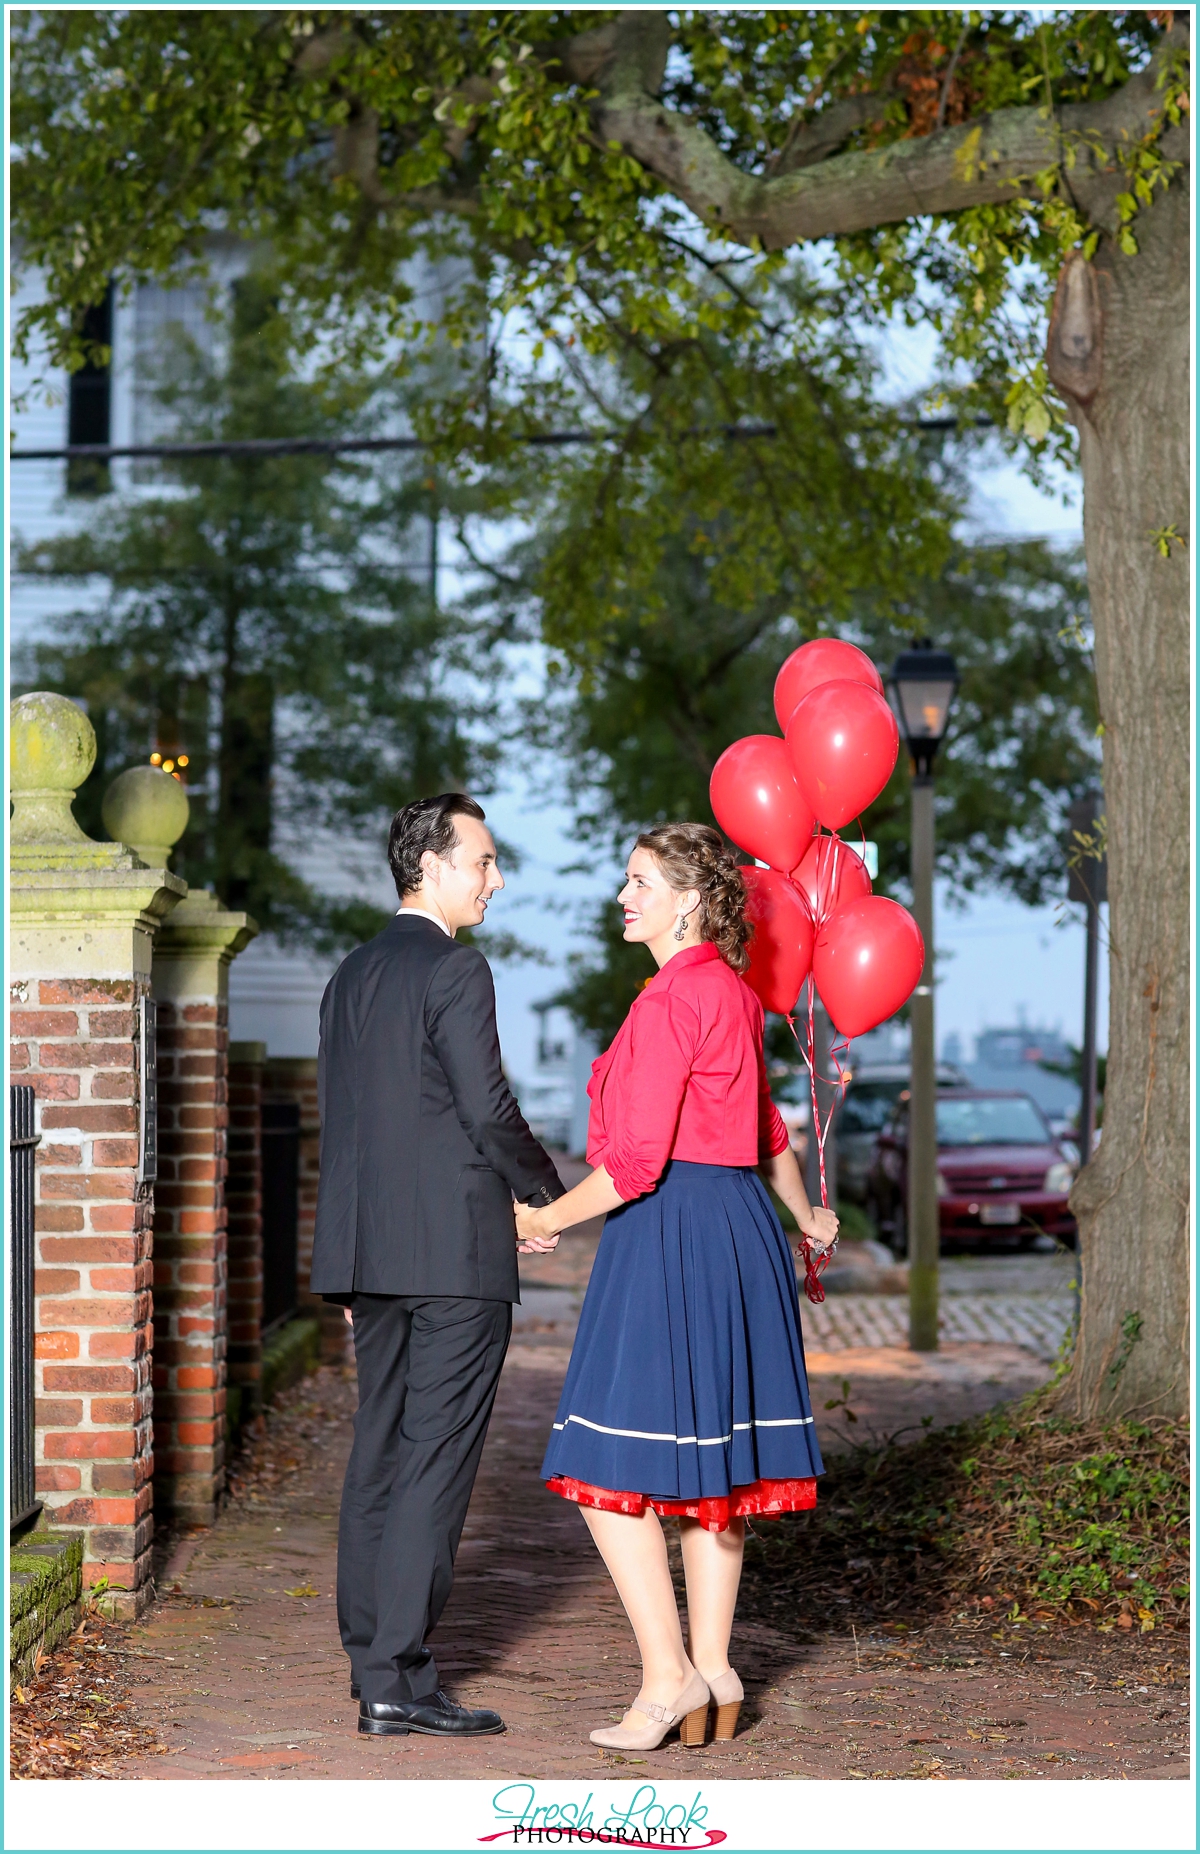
<point>687,1376</point>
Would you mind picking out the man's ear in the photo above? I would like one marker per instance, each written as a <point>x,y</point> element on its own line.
<point>431,867</point>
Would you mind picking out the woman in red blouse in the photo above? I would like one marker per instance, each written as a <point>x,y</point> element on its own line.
<point>686,1394</point>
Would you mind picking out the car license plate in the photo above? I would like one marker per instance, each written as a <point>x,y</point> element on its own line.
<point>1000,1213</point>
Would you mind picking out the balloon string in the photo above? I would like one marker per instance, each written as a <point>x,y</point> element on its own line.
<point>818,1134</point>
<point>827,887</point>
<point>817,1260</point>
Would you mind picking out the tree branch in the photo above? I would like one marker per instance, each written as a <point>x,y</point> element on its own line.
<point>972,164</point>
<point>950,70</point>
<point>822,136</point>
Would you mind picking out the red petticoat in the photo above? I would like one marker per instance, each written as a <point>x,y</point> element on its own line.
<point>762,1500</point>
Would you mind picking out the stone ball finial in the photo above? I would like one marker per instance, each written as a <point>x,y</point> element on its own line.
<point>147,809</point>
<point>52,749</point>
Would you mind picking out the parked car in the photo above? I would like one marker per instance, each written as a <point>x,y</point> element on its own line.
<point>866,1108</point>
<point>868,1102</point>
<point>1002,1177</point>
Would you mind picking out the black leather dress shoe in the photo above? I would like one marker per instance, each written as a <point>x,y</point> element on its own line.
<point>436,1715</point>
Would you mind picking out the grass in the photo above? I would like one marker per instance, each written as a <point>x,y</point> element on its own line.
<point>1017,1511</point>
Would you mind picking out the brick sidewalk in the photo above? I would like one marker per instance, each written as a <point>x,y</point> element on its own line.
<point>1011,1320</point>
<point>240,1671</point>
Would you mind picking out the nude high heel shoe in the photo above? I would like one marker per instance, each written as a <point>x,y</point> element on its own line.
<point>689,1712</point>
<point>726,1696</point>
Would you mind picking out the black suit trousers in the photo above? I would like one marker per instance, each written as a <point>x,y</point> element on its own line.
<point>427,1374</point>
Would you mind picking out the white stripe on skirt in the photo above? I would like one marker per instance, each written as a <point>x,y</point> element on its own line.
<point>646,1435</point>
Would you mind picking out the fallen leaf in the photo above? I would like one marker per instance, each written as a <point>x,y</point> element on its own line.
<point>303,1590</point>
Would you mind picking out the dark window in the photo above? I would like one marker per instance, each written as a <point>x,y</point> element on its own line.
<point>89,406</point>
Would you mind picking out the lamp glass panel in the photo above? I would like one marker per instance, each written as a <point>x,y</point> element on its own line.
<point>924,707</point>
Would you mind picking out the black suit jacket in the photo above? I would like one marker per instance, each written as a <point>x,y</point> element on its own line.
<point>423,1147</point>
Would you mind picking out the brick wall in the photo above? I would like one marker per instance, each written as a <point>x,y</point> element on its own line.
<point>243,1198</point>
<point>74,1043</point>
<point>190,1259</point>
<point>294,1078</point>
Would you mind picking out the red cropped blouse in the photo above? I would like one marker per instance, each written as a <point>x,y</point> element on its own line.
<point>684,1078</point>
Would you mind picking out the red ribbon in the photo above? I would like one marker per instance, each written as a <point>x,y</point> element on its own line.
<point>815,1261</point>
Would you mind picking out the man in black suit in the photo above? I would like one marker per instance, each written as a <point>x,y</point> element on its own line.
<point>423,1150</point>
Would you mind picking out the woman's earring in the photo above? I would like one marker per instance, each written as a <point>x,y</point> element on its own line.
<point>681,930</point>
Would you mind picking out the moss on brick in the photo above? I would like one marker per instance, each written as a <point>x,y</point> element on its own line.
<point>290,1354</point>
<point>45,1591</point>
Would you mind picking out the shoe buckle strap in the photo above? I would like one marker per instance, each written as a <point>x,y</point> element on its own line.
<point>654,1711</point>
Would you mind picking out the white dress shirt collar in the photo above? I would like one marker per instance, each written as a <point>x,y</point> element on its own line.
<point>426,916</point>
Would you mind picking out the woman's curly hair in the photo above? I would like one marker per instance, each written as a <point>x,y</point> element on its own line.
<point>696,856</point>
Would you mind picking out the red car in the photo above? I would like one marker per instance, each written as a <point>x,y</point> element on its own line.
<point>1002,1179</point>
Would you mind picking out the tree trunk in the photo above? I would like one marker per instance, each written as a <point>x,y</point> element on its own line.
<point>1132,1200</point>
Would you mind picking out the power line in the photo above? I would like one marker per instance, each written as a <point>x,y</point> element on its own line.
<point>328,447</point>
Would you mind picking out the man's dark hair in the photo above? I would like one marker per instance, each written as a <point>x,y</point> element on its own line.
<point>426,824</point>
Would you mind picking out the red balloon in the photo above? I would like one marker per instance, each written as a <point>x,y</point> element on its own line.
<point>843,741</point>
<point>756,801</point>
<point>782,947</point>
<point>825,659</point>
<point>867,959</point>
<point>829,874</point>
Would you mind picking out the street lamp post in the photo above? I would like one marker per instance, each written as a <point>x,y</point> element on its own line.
<point>921,687</point>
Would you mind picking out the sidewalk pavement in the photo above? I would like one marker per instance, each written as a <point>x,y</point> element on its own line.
<point>240,1673</point>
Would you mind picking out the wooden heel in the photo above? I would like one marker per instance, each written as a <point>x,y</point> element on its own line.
<point>693,1726</point>
<point>727,1718</point>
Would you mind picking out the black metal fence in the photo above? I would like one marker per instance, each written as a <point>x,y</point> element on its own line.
<point>280,1208</point>
<point>23,1506</point>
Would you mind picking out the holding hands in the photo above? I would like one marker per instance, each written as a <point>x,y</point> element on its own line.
<point>538,1231</point>
<point>532,1236</point>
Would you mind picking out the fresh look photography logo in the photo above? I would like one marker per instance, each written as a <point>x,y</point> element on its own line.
<point>643,1822</point>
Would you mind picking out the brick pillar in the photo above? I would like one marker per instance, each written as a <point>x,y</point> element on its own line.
<point>294,1078</point>
<point>243,1200</point>
<point>83,920</point>
<point>191,985</point>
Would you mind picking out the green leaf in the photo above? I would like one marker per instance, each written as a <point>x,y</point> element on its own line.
<point>1036,424</point>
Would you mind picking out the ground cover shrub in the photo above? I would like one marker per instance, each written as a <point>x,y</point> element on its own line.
<point>1020,1512</point>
